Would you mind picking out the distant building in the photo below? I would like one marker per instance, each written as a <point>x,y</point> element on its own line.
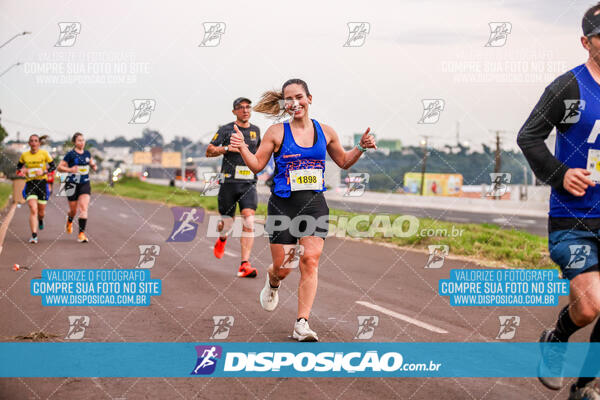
<point>122,154</point>
<point>392,145</point>
<point>157,157</point>
<point>382,144</point>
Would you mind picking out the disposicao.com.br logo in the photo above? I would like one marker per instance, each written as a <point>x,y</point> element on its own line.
<point>316,363</point>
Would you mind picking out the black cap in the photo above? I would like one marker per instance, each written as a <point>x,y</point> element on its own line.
<point>239,100</point>
<point>590,24</point>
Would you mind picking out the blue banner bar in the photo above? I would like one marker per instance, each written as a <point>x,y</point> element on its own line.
<point>225,359</point>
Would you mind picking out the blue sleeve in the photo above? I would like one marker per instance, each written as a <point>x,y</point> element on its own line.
<point>68,158</point>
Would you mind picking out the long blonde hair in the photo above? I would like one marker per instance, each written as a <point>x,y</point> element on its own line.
<point>271,102</point>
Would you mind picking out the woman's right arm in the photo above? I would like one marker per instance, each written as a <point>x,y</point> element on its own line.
<point>64,167</point>
<point>256,162</point>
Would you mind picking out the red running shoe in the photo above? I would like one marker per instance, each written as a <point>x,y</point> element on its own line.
<point>219,249</point>
<point>246,271</point>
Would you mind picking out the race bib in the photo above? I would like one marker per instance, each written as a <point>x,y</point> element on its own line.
<point>243,172</point>
<point>593,164</point>
<point>83,169</point>
<point>306,179</point>
<point>31,172</point>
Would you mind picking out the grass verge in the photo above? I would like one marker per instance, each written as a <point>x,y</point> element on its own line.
<point>485,243</point>
<point>5,192</point>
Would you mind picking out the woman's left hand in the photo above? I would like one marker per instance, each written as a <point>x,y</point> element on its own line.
<point>368,141</point>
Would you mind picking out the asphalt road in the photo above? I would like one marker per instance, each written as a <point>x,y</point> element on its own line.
<point>196,287</point>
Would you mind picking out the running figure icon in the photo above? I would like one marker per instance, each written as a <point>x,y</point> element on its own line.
<point>186,221</point>
<point>207,359</point>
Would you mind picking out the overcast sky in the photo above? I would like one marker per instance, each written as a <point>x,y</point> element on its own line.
<point>414,50</point>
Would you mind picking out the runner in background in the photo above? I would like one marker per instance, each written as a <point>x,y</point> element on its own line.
<point>50,182</point>
<point>34,165</point>
<point>49,179</point>
<point>300,148</point>
<point>239,185</point>
<point>571,104</point>
<point>77,163</point>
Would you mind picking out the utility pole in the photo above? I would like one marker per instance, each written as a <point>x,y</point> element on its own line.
<point>523,195</point>
<point>424,143</point>
<point>457,134</point>
<point>183,164</point>
<point>498,157</point>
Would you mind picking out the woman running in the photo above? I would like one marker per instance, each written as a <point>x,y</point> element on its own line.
<point>300,147</point>
<point>34,165</point>
<point>77,163</point>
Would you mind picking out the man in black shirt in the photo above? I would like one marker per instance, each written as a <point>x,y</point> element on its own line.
<point>571,104</point>
<point>239,185</point>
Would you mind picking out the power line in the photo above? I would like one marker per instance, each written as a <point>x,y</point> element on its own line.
<point>38,128</point>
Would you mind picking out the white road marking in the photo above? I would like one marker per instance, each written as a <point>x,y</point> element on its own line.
<point>512,222</point>
<point>402,317</point>
<point>527,221</point>
<point>156,227</point>
<point>459,219</point>
<point>507,384</point>
<point>123,215</point>
<point>103,208</point>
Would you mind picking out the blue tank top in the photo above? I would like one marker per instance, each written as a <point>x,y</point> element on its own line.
<point>82,161</point>
<point>572,149</point>
<point>299,168</point>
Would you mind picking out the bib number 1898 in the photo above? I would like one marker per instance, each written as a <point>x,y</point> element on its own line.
<point>306,179</point>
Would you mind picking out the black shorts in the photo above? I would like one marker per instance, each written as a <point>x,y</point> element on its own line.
<point>304,213</point>
<point>36,189</point>
<point>80,188</point>
<point>242,193</point>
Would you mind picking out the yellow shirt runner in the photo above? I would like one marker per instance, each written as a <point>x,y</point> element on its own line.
<point>34,163</point>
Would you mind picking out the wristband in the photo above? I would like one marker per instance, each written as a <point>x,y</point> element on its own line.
<point>360,148</point>
<point>226,148</point>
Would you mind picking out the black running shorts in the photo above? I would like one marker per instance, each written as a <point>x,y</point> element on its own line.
<point>232,193</point>
<point>80,188</point>
<point>36,189</point>
<point>304,213</point>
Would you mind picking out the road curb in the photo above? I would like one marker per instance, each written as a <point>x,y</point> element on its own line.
<point>6,223</point>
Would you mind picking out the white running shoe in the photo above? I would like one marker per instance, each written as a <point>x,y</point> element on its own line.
<point>303,333</point>
<point>269,296</point>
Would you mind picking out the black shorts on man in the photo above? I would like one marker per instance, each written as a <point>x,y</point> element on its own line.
<point>234,193</point>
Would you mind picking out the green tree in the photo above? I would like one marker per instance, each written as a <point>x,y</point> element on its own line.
<point>8,162</point>
<point>3,134</point>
